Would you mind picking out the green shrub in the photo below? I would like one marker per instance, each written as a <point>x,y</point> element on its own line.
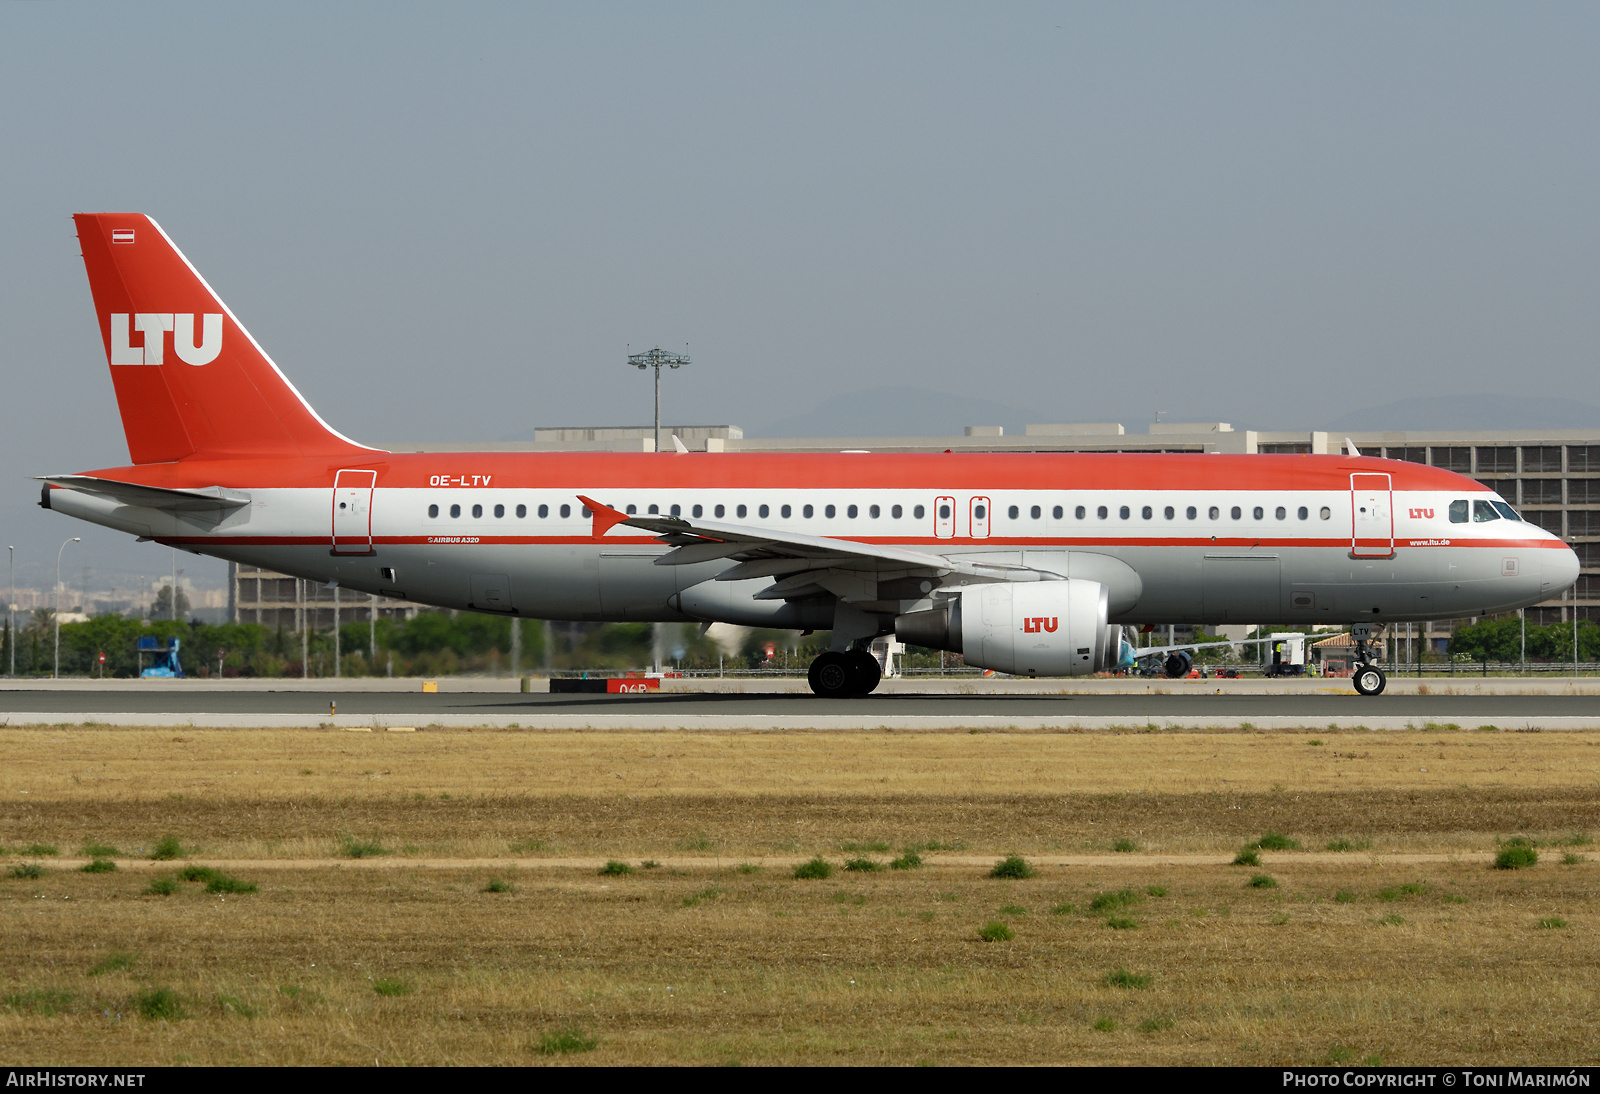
<point>1064,909</point>
<point>816,868</point>
<point>1276,841</point>
<point>40,849</point>
<point>42,1002</point>
<point>1114,902</point>
<point>1515,858</point>
<point>615,869</point>
<point>996,932</point>
<point>1013,909</point>
<point>862,866</point>
<point>1124,845</point>
<point>1247,857</point>
<point>160,1004</point>
<point>115,961</point>
<point>199,873</point>
<point>1452,898</point>
<point>167,848</point>
<point>1122,923</point>
<point>1012,866</point>
<point>232,1004</point>
<point>27,870</point>
<point>225,884</point>
<point>1262,881</point>
<point>391,987</point>
<point>864,845</point>
<point>162,886</point>
<point>564,1041</point>
<point>98,850</point>
<point>1344,896</point>
<point>496,885</point>
<point>1571,858</point>
<point>1156,1024</point>
<point>99,866</point>
<point>712,893</point>
<point>1156,890</point>
<point>1552,923</point>
<point>652,864</point>
<point>908,861</point>
<point>1122,978</point>
<point>354,848</point>
<point>1105,1025</point>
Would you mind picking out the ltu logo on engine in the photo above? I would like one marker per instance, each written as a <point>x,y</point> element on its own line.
<point>154,326</point>
<point>1039,623</point>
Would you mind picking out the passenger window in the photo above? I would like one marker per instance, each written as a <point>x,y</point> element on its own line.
<point>1102,512</point>
<point>827,511</point>
<point>1483,512</point>
<point>1303,513</point>
<point>806,512</point>
<point>1281,513</point>
<point>696,511</point>
<point>1014,512</point>
<point>632,509</point>
<point>1214,513</point>
<point>1458,511</point>
<point>433,510</point>
<point>654,510</point>
<point>522,511</point>
<point>544,511</point>
<point>1147,512</point>
<point>944,512</point>
<point>720,510</point>
<point>980,511</point>
<point>917,512</point>
<point>1056,513</point>
<point>1079,512</point>
<point>1191,512</point>
<point>499,510</point>
<point>785,511</point>
<point>1235,513</point>
<point>895,511</point>
<point>1034,512</point>
<point>741,511</point>
<point>455,510</point>
<point>851,512</point>
<point>1259,512</point>
<point>585,512</point>
<point>1325,513</point>
<point>677,510</point>
<point>762,512</point>
<point>477,510</point>
<point>566,511</point>
<point>873,511</point>
<point>1124,512</point>
<point>1169,512</point>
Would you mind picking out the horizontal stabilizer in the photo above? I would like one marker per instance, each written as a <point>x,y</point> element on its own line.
<point>210,498</point>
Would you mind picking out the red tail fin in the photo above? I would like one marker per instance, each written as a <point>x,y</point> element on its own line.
<point>190,380</point>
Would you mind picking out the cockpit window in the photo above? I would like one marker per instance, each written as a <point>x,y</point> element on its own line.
<point>1506,510</point>
<point>1458,511</point>
<point>1482,511</point>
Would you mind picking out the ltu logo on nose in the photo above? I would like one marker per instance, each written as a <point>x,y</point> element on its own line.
<point>154,326</point>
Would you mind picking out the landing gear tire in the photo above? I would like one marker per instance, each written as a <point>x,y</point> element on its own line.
<point>865,671</point>
<point>832,676</point>
<point>1369,680</point>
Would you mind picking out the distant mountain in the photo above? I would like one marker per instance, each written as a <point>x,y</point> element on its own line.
<point>1439,412</point>
<point>897,412</point>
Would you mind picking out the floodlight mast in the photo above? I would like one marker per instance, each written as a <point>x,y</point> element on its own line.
<point>655,358</point>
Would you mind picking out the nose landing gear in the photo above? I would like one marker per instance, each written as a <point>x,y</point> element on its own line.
<point>1368,678</point>
<point>848,675</point>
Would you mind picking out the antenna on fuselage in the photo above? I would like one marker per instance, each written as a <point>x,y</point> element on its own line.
<point>1350,448</point>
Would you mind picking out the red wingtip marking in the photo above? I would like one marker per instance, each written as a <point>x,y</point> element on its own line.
<point>605,517</point>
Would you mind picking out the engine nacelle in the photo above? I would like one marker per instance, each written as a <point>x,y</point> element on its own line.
<point>1043,628</point>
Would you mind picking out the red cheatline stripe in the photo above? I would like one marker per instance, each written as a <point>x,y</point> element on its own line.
<point>1033,544</point>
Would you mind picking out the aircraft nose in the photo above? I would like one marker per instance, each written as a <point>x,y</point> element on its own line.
<point>1560,571</point>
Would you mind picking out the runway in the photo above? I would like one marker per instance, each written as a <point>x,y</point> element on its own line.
<point>931,708</point>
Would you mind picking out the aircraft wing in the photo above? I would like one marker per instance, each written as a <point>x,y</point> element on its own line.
<point>803,565</point>
<point>152,497</point>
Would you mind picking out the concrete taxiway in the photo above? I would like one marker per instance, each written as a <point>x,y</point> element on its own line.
<point>907,704</point>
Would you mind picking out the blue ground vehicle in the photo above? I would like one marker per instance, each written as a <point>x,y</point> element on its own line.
<point>166,664</point>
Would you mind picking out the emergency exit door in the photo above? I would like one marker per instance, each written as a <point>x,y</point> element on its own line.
<point>1372,516</point>
<point>352,512</point>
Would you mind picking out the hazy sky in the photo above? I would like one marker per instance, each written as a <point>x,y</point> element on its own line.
<point>448,222</point>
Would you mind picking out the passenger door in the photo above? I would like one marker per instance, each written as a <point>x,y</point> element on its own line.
<point>352,512</point>
<point>1372,516</point>
<point>944,518</point>
<point>981,510</point>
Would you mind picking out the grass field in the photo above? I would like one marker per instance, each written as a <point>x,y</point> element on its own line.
<point>509,945</point>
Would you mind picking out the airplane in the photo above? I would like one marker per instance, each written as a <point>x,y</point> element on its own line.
<point>1029,564</point>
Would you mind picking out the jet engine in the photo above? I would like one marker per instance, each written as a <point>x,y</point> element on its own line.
<point>1044,628</point>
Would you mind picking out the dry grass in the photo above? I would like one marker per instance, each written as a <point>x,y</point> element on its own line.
<point>1439,962</point>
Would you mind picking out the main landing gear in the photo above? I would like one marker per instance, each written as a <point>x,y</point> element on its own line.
<point>848,675</point>
<point>1368,678</point>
